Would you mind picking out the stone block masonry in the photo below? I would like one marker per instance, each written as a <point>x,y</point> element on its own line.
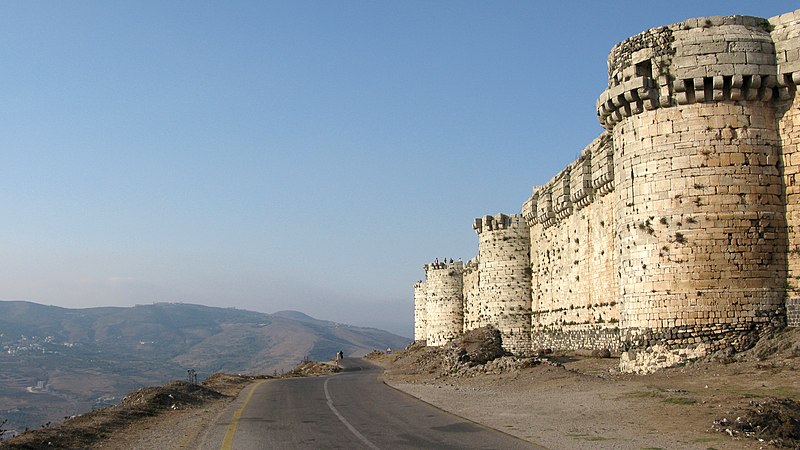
<point>444,302</point>
<point>793,312</point>
<point>676,232</point>
<point>504,284</point>
<point>472,304</point>
<point>420,312</point>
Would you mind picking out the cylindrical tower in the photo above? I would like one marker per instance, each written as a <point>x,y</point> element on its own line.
<point>445,302</point>
<point>420,315</point>
<point>505,278</point>
<point>700,216</point>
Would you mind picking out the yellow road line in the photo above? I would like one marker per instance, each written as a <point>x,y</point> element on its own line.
<point>227,443</point>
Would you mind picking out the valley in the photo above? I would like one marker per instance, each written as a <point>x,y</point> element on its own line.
<point>58,362</point>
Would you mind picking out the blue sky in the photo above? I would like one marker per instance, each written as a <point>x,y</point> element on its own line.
<point>286,155</point>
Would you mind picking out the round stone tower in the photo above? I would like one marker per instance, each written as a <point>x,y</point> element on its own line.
<point>444,306</point>
<point>420,314</point>
<point>700,216</point>
<point>505,278</point>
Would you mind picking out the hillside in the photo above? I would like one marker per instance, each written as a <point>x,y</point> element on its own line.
<point>57,362</point>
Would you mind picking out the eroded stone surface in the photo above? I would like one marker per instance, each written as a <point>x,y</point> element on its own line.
<point>667,238</point>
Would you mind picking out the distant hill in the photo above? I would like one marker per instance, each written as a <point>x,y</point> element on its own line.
<point>71,360</point>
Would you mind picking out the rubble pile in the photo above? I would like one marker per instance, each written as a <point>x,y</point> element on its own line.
<point>774,421</point>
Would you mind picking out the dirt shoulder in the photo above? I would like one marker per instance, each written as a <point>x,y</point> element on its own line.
<point>571,402</point>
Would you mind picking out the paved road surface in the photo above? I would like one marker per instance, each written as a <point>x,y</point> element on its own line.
<point>350,410</point>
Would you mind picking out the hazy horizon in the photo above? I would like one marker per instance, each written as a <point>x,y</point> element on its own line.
<point>271,156</point>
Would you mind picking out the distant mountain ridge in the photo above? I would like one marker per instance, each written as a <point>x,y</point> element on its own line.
<point>74,359</point>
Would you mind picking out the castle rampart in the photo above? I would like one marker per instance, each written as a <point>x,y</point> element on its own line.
<point>574,281</point>
<point>677,231</point>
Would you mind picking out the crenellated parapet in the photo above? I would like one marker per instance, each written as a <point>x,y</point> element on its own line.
<point>529,211</point>
<point>575,187</point>
<point>498,222</point>
<point>709,59</point>
<point>545,213</point>
<point>580,181</point>
<point>602,150</point>
<point>560,191</point>
<point>627,99</point>
<point>787,52</point>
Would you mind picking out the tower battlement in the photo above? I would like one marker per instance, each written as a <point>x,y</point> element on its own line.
<point>708,59</point>
<point>498,222</point>
<point>456,266</point>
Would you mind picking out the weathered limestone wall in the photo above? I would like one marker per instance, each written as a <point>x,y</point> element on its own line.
<point>505,278</point>
<point>793,312</point>
<point>786,36</point>
<point>574,279</point>
<point>699,216</point>
<point>420,315</point>
<point>444,306</point>
<point>472,299</point>
<point>677,231</point>
<point>700,224</point>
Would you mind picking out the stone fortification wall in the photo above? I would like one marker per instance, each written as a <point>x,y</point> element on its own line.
<point>574,281</point>
<point>677,231</point>
<point>793,312</point>
<point>786,35</point>
<point>699,217</point>
<point>420,313</point>
<point>472,299</point>
<point>505,278</point>
<point>444,302</point>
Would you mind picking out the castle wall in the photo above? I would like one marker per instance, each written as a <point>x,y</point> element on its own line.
<point>444,302</point>
<point>700,224</point>
<point>420,312</point>
<point>700,215</point>
<point>677,231</point>
<point>472,299</point>
<point>574,281</point>
<point>505,278</point>
<point>786,36</point>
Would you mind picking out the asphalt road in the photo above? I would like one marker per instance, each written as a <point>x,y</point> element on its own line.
<point>352,410</point>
